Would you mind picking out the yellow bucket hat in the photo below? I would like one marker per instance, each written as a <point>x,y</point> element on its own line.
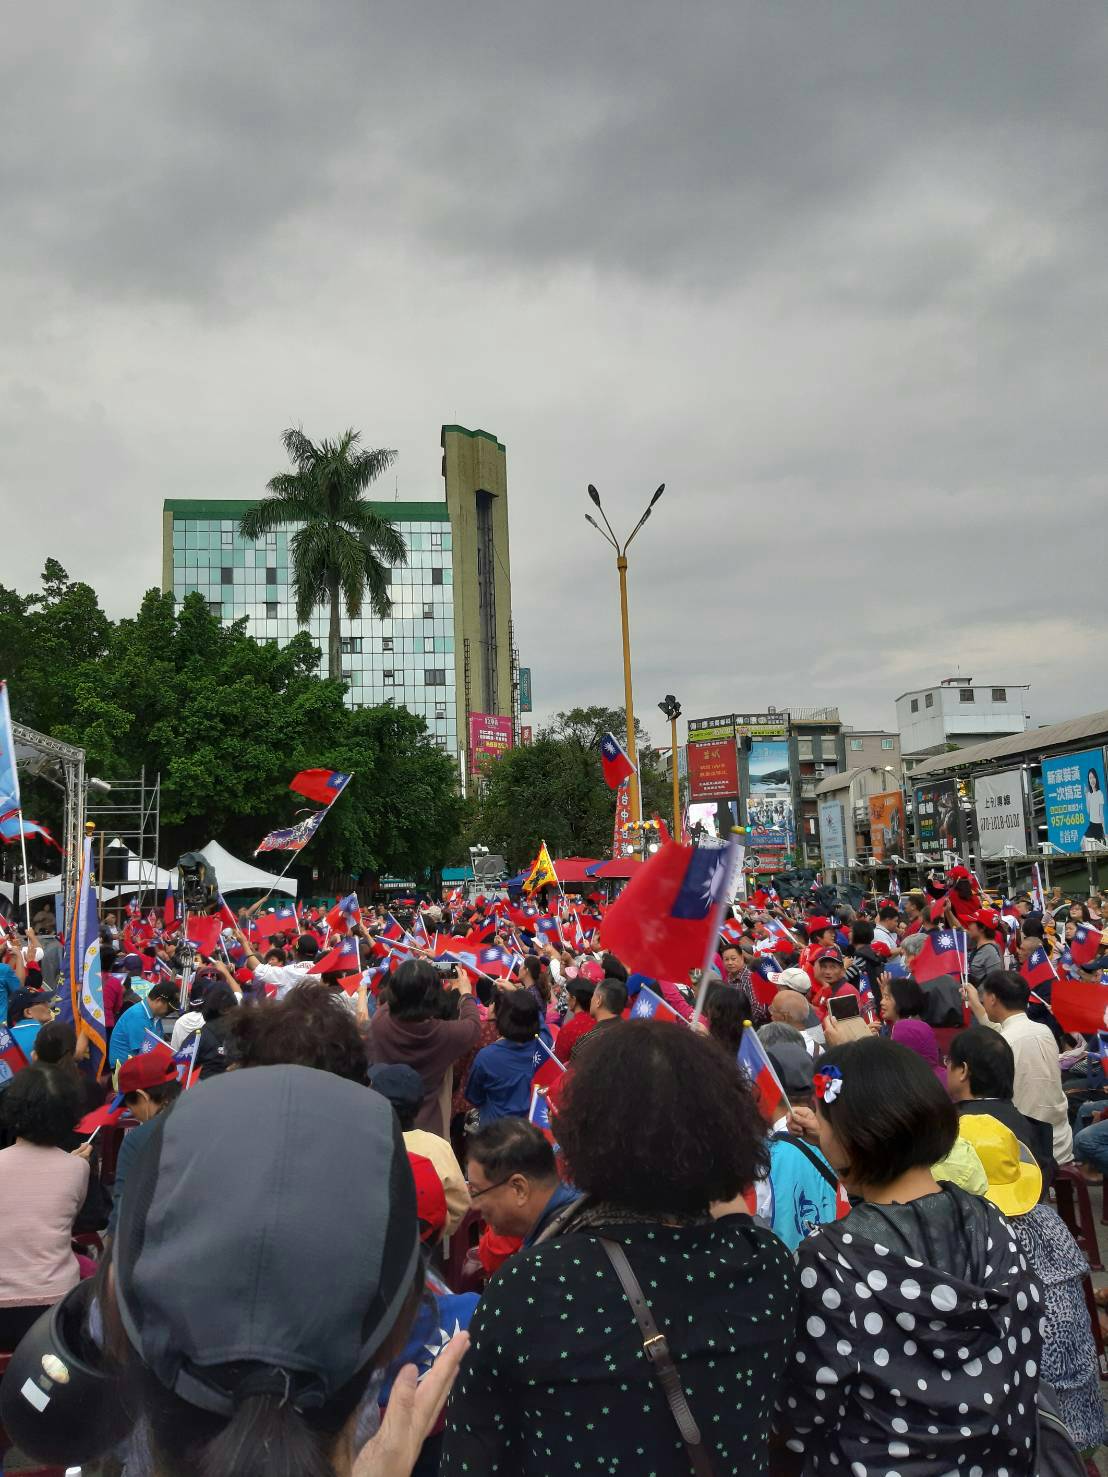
<point>1015,1180</point>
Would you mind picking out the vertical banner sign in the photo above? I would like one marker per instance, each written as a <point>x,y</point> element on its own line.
<point>712,760</point>
<point>622,817</point>
<point>832,833</point>
<point>525,689</point>
<point>939,819</point>
<point>1073,794</point>
<point>769,801</point>
<point>1001,818</point>
<point>490,736</point>
<point>886,825</point>
<point>526,734</point>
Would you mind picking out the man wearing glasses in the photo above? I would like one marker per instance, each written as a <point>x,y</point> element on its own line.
<point>513,1179</point>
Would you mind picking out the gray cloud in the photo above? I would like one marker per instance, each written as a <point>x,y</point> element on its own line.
<point>834,273</point>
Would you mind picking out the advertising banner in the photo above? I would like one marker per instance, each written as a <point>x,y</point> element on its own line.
<point>490,736</point>
<point>1073,794</point>
<point>622,817</point>
<point>713,770</point>
<point>525,689</point>
<point>761,725</point>
<point>1000,815</point>
<point>769,805</point>
<point>938,819</point>
<point>832,833</point>
<point>704,730</point>
<point>886,825</point>
<point>526,734</point>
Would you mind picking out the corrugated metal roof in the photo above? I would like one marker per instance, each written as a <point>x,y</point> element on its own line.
<point>1019,746</point>
<point>836,782</point>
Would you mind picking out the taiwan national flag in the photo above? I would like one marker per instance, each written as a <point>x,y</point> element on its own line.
<point>12,1059</point>
<point>343,958</point>
<point>548,1070</point>
<point>1079,1006</point>
<point>650,1007</point>
<point>204,930</point>
<point>324,786</point>
<point>539,1115</point>
<point>283,920</point>
<point>767,1087</point>
<point>1037,969</point>
<point>613,756</point>
<point>660,925</point>
<point>942,953</point>
<point>765,979</point>
<point>1085,944</point>
<point>345,913</point>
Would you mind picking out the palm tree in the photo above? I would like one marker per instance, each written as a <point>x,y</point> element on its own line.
<point>343,550</point>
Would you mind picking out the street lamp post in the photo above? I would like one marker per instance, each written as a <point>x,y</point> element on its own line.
<point>621,566</point>
<point>672,709</point>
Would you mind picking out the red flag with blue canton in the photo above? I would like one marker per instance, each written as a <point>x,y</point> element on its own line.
<point>1079,1006</point>
<point>613,757</point>
<point>650,1007</point>
<point>942,953</point>
<point>324,786</point>
<point>661,922</point>
<point>12,1059</point>
<point>343,957</point>
<point>548,1069</point>
<point>539,1115</point>
<point>1037,969</point>
<point>345,912</point>
<point>1085,945</point>
<point>764,1081</point>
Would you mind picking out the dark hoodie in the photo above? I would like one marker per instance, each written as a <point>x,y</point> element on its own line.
<point>918,1344</point>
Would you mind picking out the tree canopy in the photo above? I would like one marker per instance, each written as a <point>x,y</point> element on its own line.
<point>226,721</point>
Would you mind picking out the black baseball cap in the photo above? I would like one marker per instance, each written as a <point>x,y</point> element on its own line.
<point>401,1085</point>
<point>220,1280</point>
<point>20,1002</point>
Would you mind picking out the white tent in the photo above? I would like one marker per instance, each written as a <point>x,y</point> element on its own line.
<point>48,887</point>
<point>236,876</point>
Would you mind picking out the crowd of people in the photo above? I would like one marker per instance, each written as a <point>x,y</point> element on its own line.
<point>498,1204</point>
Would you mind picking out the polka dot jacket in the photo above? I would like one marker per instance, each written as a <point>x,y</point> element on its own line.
<point>556,1380</point>
<point>918,1345</point>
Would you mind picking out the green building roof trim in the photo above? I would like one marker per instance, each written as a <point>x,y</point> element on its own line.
<point>226,508</point>
<point>465,431</point>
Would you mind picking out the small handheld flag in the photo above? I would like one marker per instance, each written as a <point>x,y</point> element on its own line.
<point>542,873</point>
<point>941,954</point>
<point>663,921</point>
<point>342,958</point>
<point>617,766</point>
<point>1037,969</point>
<point>12,1059</point>
<point>764,1081</point>
<point>651,1007</point>
<point>1085,944</point>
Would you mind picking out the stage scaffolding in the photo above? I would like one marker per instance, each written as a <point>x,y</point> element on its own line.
<point>63,766</point>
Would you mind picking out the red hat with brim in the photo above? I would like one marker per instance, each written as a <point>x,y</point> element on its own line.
<point>430,1198</point>
<point>817,925</point>
<point>148,1069</point>
<point>827,952</point>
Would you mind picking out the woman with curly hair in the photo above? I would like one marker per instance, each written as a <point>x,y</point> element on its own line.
<point>656,1130</point>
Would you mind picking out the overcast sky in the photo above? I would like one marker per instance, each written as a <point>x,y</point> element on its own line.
<point>836,273</point>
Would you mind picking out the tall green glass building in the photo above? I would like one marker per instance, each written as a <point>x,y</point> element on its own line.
<point>446,649</point>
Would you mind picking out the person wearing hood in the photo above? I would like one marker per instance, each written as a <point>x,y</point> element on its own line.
<point>903,1003</point>
<point>918,1332</point>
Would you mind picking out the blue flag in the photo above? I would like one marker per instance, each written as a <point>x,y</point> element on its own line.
<point>9,775</point>
<point>83,1003</point>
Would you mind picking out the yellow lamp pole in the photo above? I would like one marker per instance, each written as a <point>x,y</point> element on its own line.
<point>672,709</point>
<point>621,565</point>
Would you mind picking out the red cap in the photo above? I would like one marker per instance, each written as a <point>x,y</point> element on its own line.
<point>960,874</point>
<point>817,925</point>
<point>592,971</point>
<point>987,918</point>
<point>882,950</point>
<point>828,951</point>
<point>430,1198</point>
<point>938,910</point>
<point>147,1069</point>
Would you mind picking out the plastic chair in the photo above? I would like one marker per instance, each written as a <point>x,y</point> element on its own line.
<point>5,1443</point>
<point>1071,1195</point>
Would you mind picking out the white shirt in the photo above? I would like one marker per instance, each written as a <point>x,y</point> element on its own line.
<point>284,976</point>
<point>1094,801</point>
<point>184,1027</point>
<point>1038,1081</point>
<point>883,935</point>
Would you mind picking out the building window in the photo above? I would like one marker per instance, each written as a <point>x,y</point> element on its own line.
<point>227,575</point>
<point>886,743</point>
<point>389,679</point>
<point>436,576</point>
<point>351,645</point>
<point>1000,694</point>
<point>436,543</point>
<point>215,607</point>
<point>915,705</point>
<point>929,700</point>
<point>428,612</point>
<point>347,674</point>
<point>856,744</point>
<point>965,694</point>
<point>440,713</point>
<point>271,575</point>
<point>226,537</point>
<point>271,610</point>
<point>428,645</point>
<point>386,643</point>
<point>435,676</point>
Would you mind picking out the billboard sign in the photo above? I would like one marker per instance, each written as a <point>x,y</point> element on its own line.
<point>761,725</point>
<point>769,803</point>
<point>525,689</point>
<point>1073,795</point>
<point>832,833</point>
<point>713,768</point>
<point>490,736</point>
<point>704,730</point>
<point>526,734</point>
<point>886,825</point>
<point>939,819</point>
<point>1000,815</point>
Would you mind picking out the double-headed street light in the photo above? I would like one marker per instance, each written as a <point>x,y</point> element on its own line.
<point>672,709</point>
<point>621,566</point>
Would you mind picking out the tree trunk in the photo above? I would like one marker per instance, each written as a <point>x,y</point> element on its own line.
<point>334,641</point>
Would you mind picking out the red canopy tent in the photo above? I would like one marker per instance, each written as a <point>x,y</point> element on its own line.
<point>573,868</point>
<point>618,869</point>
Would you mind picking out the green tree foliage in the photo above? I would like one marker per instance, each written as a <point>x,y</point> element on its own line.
<point>226,721</point>
<point>555,790</point>
<point>343,549</point>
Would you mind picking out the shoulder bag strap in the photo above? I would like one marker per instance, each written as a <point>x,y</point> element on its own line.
<point>810,1154</point>
<point>662,1366</point>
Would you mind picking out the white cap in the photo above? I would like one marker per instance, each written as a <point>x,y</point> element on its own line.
<point>794,979</point>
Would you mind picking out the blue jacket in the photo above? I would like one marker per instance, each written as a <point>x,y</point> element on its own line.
<point>9,983</point>
<point>499,1083</point>
<point>129,1032</point>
